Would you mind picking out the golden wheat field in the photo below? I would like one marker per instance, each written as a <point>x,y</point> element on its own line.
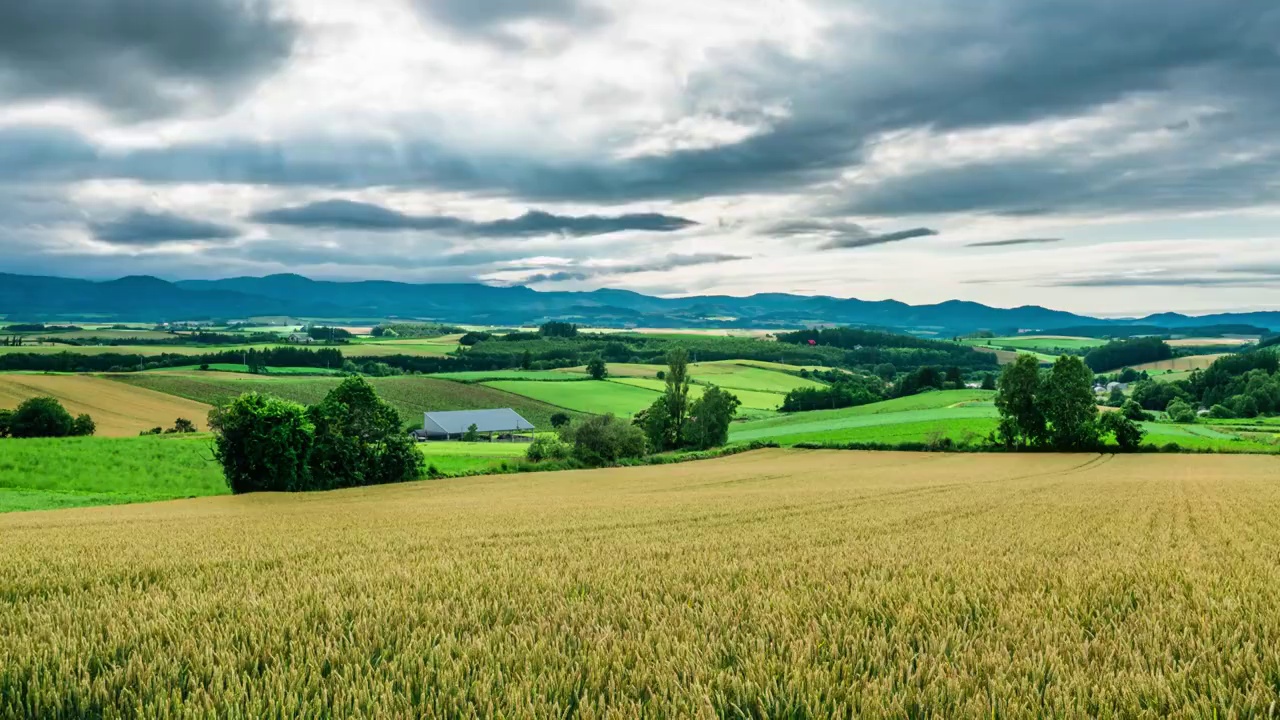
<point>774,584</point>
<point>117,409</point>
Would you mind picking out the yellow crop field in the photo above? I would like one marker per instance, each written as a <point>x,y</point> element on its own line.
<point>771,584</point>
<point>1191,362</point>
<point>117,409</point>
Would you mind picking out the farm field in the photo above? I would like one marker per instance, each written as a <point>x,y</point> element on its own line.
<point>411,395</point>
<point>1210,342</point>
<point>1181,364</point>
<point>1037,343</point>
<point>771,584</point>
<point>483,375</point>
<point>751,399</point>
<point>117,409</point>
<point>595,397</point>
<point>46,473</point>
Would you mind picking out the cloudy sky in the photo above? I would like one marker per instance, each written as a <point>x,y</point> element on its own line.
<point>1091,155</point>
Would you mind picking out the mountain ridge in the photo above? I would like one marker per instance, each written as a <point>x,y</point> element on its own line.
<point>146,298</point>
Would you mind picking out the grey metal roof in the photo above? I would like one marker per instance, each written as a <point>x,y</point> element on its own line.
<point>455,422</point>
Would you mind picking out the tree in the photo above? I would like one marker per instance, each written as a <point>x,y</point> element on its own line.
<point>1022,421</point>
<point>709,418</point>
<point>1134,411</point>
<point>559,420</point>
<point>5,417</point>
<point>1221,412</point>
<point>1128,434</point>
<point>604,440</point>
<point>886,371</point>
<point>83,426</point>
<point>358,440</point>
<point>1116,398</point>
<point>472,434</point>
<point>656,422</point>
<point>547,448</point>
<point>526,360</point>
<point>1069,406</point>
<point>1180,412</point>
<point>263,443</point>
<point>597,369</point>
<point>183,425</point>
<point>41,417</point>
<point>558,329</point>
<point>988,381</point>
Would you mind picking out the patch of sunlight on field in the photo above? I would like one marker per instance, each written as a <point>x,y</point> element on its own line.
<point>118,410</point>
<point>769,584</point>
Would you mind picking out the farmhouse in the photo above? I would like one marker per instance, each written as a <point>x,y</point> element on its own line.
<point>504,423</point>
<point>301,338</point>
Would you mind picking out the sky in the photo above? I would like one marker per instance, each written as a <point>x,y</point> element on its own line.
<point>1113,158</point>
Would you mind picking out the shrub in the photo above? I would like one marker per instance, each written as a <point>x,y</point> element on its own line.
<point>1128,434</point>
<point>548,448</point>
<point>1134,411</point>
<point>5,417</point>
<point>597,369</point>
<point>41,417</point>
<point>559,420</point>
<point>1221,411</point>
<point>153,431</point>
<point>1180,412</point>
<point>183,425</point>
<point>83,426</point>
<point>604,440</point>
<point>263,443</point>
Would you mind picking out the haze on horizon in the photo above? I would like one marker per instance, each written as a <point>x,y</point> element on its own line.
<point>1105,158</point>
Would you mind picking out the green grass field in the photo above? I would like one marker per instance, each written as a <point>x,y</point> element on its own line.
<point>751,399</point>
<point>1037,343</point>
<point>244,369</point>
<point>411,395</point>
<point>69,472</point>
<point>457,458</point>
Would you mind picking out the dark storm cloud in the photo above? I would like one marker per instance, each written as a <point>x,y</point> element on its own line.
<point>1013,242</point>
<point>943,67</point>
<point>842,243</point>
<point>350,215</point>
<point>138,57</point>
<point>663,264</point>
<point>140,227</point>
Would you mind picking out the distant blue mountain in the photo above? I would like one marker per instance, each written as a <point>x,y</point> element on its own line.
<point>144,298</point>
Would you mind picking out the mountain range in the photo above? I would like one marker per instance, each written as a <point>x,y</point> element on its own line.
<point>144,298</point>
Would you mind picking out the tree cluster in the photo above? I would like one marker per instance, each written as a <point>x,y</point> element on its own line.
<point>43,417</point>
<point>848,390</point>
<point>351,438</point>
<point>1123,353</point>
<point>676,421</point>
<point>1056,409</point>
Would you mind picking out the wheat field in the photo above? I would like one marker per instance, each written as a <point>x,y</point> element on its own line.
<point>774,584</point>
<point>117,409</point>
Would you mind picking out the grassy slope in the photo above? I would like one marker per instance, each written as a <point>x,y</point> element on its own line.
<point>597,397</point>
<point>411,395</point>
<point>117,410</point>
<point>777,584</point>
<point>69,472</point>
<point>1037,343</point>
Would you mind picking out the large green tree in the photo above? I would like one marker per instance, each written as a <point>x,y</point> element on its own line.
<point>709,419</point>
<point>263,443</point>
<point>45,417</point>
<point>1069,405</point>
<point>359,439</point>
<point>1022,420</point>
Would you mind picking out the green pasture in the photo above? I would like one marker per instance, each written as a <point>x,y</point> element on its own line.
<point>751,399</point>
<point>48,473</point>
<point>1037,343</point>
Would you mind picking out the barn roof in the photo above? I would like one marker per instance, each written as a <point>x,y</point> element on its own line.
<point>455,422</point>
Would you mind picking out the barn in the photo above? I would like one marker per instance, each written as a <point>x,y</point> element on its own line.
<point>497,423</point>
